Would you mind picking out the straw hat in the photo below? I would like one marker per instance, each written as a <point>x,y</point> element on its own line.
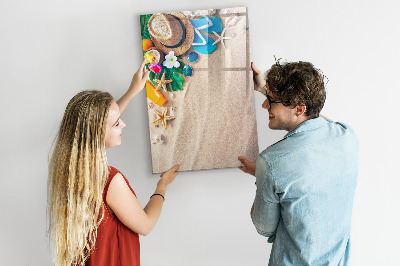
<point>171,32</point>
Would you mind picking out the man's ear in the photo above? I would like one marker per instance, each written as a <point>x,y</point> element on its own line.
<point>300,110</point>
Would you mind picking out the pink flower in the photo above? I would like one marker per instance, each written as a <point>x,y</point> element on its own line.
<point>155,68</point>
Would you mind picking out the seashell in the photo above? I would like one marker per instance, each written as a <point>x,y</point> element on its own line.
<point>158,139</point>
<point>157,54</point>
<point>232,21</point>
<point>193,57</point>
<point>223,11</point>
<point>211,12</point>
<point>187,71</point>
<point>150,105</point>
<point>188,14</point>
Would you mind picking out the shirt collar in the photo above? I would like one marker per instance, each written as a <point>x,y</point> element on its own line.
<point>307,125</point>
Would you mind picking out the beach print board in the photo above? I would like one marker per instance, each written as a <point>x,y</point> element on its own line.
<point>200,96</point>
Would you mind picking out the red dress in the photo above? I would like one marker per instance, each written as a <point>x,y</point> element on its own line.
<point>116,244</point>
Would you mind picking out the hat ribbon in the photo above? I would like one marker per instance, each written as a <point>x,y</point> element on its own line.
<point>183,35</point>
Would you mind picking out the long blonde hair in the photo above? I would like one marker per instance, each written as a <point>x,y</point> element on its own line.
<point>78,171</point>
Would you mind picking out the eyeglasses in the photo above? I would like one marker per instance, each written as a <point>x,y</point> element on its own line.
<point>270,101</point>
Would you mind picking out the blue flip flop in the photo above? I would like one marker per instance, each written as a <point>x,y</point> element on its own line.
<point>216,21</point>
<point>206,48</point>
<point>205,43</point>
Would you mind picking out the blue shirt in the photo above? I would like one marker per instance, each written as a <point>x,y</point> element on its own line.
<point>305,189</point>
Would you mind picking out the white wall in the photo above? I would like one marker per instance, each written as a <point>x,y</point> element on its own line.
<point>49,50</point>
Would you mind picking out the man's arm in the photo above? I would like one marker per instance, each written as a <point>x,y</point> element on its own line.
<point>259,82</point>
<point>265,217</point>
<point>265,212</point>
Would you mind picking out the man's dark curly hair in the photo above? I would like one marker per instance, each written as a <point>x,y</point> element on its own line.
<point>297,83</point>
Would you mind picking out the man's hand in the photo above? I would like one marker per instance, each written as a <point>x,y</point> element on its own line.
<point>249,167</point>
<point>259,82</point>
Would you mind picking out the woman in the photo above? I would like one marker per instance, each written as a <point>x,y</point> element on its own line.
<point>95,217</point>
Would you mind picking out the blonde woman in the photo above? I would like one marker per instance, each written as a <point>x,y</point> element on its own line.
<point>95,217</point>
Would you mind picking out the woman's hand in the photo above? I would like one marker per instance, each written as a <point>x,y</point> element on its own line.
<point>138,79</point>
<point>259,82</point>
<point>127,207</point>
<point>168,176</point>
<point>137,85</point>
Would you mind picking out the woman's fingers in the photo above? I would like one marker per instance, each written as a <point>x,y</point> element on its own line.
<point>142,64</point>
<point>175,168</point>
<point>141,68</point>
<point>146,75</point>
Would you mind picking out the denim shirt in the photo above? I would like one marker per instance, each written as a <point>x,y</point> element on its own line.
<point>305,189</point>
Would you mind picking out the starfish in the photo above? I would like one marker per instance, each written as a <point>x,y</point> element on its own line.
<point>162,83</point>
<point>162,118</point>
<point>221,37</point>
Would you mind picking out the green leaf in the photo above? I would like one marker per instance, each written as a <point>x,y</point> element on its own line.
<point>144,19</point>
<point>179,70</point>
<point>152,76</point>
<point>177,82</point>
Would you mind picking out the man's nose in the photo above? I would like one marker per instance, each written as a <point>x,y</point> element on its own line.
<point>265,104</point>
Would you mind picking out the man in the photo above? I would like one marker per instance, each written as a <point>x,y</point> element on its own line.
<point>306,181</point>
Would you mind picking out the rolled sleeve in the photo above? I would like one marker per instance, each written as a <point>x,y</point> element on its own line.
<point>266,212</point>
